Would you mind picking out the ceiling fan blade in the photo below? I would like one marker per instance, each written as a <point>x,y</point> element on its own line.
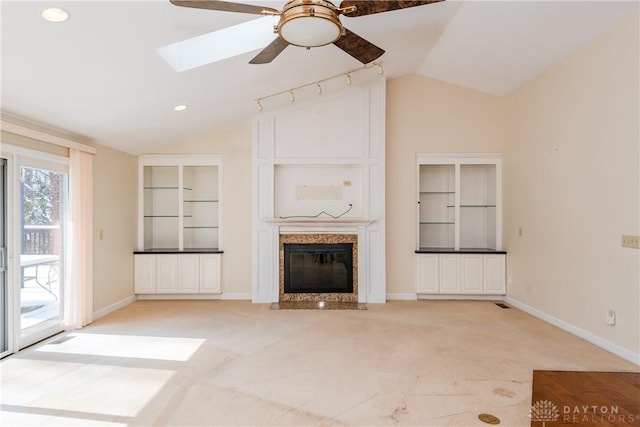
<point>367,7</point>
<point>270,52</point>
<point>225,6</point>
<point>361,49</point>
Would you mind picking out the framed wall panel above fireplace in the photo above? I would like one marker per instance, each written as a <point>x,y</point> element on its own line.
<point>305,190</point>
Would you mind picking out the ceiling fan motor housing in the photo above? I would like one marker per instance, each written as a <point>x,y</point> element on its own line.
<point>309,23</point>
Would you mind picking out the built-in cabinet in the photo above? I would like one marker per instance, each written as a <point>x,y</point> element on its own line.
<point>459,227</point>
<point>179,225</point>
<point>461,274</point>
<point>177,273</point>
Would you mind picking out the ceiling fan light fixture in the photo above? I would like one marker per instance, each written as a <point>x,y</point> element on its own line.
<point>309,23</point>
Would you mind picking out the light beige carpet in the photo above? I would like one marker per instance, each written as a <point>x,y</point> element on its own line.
<point>418,363</point>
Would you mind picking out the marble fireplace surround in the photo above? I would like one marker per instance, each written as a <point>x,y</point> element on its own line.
<point>319,238</point>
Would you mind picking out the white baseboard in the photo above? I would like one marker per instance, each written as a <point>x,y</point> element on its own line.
<point>588,336</point>
<point>462,297</point>
<point>402,297</point>
<point>179,296</point>
<point>236,296</point>
<point>227,296</point>
<point>113,307</point>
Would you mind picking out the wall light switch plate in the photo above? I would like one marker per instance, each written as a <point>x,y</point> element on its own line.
<point>630,241</point>
<point>611,317</point>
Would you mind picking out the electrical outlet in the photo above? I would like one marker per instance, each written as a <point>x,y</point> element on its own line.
<point>630,241</point>
<point>611,317</point>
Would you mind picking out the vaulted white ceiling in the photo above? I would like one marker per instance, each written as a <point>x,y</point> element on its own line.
<point>98,75</point>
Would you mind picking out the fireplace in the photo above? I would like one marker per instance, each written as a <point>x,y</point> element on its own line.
<point>318,267</point>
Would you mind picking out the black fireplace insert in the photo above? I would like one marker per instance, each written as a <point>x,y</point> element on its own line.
<point>318,268</point>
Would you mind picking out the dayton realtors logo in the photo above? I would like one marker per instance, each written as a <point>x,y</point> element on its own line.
<point>546,411</point>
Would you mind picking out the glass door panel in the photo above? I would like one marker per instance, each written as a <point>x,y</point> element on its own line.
<point>478,206</point>
<point>4,300</point>
<point>43,212</point>
<point>437,203</point>
<point>161,207</point>
<point>200,200</point>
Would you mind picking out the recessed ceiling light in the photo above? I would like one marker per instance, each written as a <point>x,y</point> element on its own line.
<point>180,107</point>
<point>55,14</point>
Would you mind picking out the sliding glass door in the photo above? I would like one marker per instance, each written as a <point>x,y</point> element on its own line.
<point>43,219</point>
<point>4,294</point>
<point>33,246</point>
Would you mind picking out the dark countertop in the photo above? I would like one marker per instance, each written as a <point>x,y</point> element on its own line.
<point>461,251</point>
<point>176,251</point>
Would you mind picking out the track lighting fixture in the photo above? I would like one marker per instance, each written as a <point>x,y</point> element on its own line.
<point>318,84</point>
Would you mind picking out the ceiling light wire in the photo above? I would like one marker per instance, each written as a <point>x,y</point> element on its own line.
<point>317,84</point>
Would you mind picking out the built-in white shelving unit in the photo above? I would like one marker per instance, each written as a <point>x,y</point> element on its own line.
<point>179,227</point>
<point>459,227</point>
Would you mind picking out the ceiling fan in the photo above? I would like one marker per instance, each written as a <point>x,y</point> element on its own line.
<point>312,23</point>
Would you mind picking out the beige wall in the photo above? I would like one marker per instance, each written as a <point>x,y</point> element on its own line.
<point>235,147</point>
<point>427,116</point>
<point>571,182</point>
<point>114,213</point>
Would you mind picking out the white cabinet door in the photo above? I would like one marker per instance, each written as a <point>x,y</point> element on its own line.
<point>210,274</point>
<point>144,274</point>
<point>428,276</point>
<point>167,274</point>
<point>494,275</point>
<point>188,274</point>
<point>449,274</point>
<point>467,274</point>
<point>472,274</point>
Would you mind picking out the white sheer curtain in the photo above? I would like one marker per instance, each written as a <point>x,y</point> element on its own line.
<point>79,292</point>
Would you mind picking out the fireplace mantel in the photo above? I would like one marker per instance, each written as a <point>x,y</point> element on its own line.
<point>319,222</point>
